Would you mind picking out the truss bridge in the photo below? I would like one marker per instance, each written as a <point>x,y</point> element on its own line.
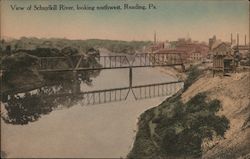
<point>85,63</point>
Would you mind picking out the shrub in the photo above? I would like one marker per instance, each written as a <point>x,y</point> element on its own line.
<point>182,132</point>
<point>193,75</point>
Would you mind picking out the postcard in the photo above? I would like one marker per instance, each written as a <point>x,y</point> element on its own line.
<point>130,79</point>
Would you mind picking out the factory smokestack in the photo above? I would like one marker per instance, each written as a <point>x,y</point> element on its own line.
<point>154,37</point>
<point>245,40</point>
<point>231,39</point>
<point>237,39</point>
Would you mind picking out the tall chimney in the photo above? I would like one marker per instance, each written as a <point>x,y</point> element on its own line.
<point>245,40</point>
<point>231,39</point>
<point>237,39</point>
<point>154,37</point>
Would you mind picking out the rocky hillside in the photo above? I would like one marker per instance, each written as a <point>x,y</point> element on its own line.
<point>210,119</point>
<point>234,93</point>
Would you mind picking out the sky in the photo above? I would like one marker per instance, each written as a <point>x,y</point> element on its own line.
<point>170,20</point>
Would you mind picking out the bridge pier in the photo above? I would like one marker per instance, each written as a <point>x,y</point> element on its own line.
<point>130,77</point>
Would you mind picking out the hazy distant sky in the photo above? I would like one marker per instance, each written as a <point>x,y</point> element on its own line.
<point>171,20</point>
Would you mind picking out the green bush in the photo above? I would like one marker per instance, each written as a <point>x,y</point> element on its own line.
<point>183,130</point>
<point>193,75</point>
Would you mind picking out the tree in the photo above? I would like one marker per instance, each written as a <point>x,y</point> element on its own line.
<point>186,128</point>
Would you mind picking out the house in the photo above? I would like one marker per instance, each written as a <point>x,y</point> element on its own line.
<point>223,58</point>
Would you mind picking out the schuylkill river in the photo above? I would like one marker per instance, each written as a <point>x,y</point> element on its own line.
<point>103,130</point>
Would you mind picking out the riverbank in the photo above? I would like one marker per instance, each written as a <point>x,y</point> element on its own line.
<point>229,92</point>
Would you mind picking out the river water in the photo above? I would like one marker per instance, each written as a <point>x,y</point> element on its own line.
<point>104,130</point>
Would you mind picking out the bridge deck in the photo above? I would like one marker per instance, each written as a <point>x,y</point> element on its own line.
<point>104,68</point>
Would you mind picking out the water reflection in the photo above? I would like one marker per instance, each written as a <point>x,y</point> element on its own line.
<point>28,107</point>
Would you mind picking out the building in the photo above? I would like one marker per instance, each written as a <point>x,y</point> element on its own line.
<point>190,51</point>
<point>194,51</point>
<point>157,46</point>
<point>196,56</point>
<point>175,54</point>
<point>223,59</point>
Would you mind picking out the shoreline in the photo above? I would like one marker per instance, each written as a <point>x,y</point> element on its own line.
<point>172,73</point>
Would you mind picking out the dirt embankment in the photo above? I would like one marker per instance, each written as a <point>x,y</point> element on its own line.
<point>234,93</point>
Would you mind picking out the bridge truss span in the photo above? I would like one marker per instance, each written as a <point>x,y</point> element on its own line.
<point>85,63</point>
